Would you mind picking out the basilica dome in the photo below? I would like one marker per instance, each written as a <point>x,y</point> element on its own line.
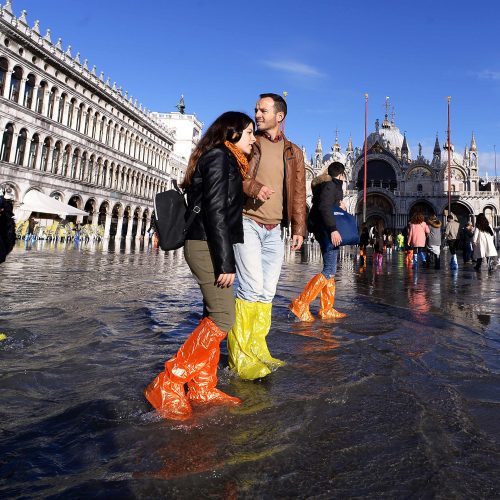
<point>388,136</point>
<point>456,158</point>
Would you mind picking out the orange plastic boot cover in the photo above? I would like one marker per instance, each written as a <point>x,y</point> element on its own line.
<point>202,388</point>
<point>166,392</point>
<point>327,300</point>
<point>300,306</point>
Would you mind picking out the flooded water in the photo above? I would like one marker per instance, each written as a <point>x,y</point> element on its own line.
<point>399,400</point>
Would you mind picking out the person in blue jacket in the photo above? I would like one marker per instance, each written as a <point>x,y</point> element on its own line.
<point>327,194</point>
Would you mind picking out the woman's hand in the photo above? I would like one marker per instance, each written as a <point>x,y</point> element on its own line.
<point>225,280</point>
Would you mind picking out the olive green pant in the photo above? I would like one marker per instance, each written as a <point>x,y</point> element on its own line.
<point>218,302</point>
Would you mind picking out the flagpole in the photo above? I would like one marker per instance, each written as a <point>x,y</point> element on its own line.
<point>449,158</point>
<point>285,93</point>
<point>365,164</point>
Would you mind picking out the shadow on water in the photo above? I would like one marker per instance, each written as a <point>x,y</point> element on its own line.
<point>400,399</point>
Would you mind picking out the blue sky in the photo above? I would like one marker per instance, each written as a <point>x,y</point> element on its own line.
<point>325,54</point>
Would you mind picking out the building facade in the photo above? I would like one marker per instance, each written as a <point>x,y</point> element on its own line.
<point>71,134</point>
<point>399,184</point>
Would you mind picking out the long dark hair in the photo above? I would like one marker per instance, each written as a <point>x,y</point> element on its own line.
<point>227,127</point>
<point>483,225</point>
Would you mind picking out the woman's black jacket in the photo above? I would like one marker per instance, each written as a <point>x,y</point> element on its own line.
<point>217,180</point>
<point>327,193</point>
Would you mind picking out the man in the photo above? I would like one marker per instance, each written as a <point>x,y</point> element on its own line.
<point>451,236</point>
<point>275,192</point>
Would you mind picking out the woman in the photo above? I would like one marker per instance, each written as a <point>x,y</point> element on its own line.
<point>484,245</point>
<point>434,241</point>
<point>416,237</point>
<point>378,243</point>
<point>327,193</point>
<point>213,182</point>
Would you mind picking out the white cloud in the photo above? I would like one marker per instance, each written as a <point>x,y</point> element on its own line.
<point>294,67</point>
<point>487,74</point>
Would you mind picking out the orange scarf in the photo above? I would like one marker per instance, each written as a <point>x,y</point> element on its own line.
<point>240,158</point>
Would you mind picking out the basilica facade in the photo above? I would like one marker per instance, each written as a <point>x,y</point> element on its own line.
<point>399,184</point>
<point>71,134</point>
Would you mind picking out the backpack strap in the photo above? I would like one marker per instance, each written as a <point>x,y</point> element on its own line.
<point>196,209</point>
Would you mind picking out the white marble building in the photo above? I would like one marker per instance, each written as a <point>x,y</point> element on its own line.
<point>399,184</point>
<point>70,133</point>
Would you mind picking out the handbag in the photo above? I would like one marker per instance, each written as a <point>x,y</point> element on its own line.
<point>347,226</point>
<point>170,217</point>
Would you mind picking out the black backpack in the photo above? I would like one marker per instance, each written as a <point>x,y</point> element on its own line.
<point>170,218</point>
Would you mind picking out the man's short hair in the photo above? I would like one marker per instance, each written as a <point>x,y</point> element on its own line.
<point>279,102</point>
<point>336,169</point>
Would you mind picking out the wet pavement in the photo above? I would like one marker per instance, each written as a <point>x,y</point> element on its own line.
<point>399,400</point>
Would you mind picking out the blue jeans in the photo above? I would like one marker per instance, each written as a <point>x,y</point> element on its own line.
<point>330,254</point>
<point>330,257</point>
<point>258,262</point>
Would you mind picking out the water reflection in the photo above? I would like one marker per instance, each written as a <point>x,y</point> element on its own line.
<point>371,405</point>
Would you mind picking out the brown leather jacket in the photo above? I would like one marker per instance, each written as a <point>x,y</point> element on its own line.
<point>295,185</point>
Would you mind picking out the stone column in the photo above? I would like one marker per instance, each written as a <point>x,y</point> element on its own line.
<point>107,226</point>
<point>66,112</point>
<point>6,89</point>
<point>139,228</point>
<point>95,220</point>
<point>129,227</point>
<point>46,98</point>
<point>13,147</point>
<point>35,97</point>
<point>22,88</point>
<point>119,228</point>
<point>148,225</point>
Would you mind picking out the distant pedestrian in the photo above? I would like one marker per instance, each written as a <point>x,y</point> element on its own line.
<point>467,237</point>
<point>451,236</point>
<point>434,241</point>
<point>7,228</point>
<point>378,244</point>
<point>484,245</point>
<point>417,236</point>
<point>364,240</point>
<point>400,240</point>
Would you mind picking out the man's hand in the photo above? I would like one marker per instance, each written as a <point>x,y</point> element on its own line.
<point>336,238</point>
<point>265,193</point>
<point>342,205</point>
<point>297,241</point>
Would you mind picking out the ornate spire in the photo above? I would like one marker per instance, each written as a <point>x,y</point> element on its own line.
<point>473,146</point>
<point>319,147</point>
<point>404,147</point>
<point>437,147</point>
<point>349,145</point>
<point>336,146</point>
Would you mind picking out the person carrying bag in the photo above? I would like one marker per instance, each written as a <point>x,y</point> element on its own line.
<point>327,209</point>
<point>213,182</point>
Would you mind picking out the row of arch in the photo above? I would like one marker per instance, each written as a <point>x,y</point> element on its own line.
<point>49,101</point>
<point>51,155</point>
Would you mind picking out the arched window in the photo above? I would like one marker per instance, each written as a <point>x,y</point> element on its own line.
<point>104,177</point>
<point>65,163</point>
<point>115,129</point>
<point>15,84</point>
<point>94,125</point>
<point>62,104</point>
<point>45,154</point>
<point>56,156</point>
<point>21,146</point>
<point>29,90</point>
<point>87,122</point>
<point>71,111</point>
<point>33,155</point>
<point>83,166</point>
<point>42,88</point>
<point>108,129</point>
<point>8,136</point>
<point>419,188</point>
<point>103,125</point>
<point>79,117</point>
<point>90,171</point>
<point>52,102</point>
<point>4,67</point>
<point>74,163</point>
